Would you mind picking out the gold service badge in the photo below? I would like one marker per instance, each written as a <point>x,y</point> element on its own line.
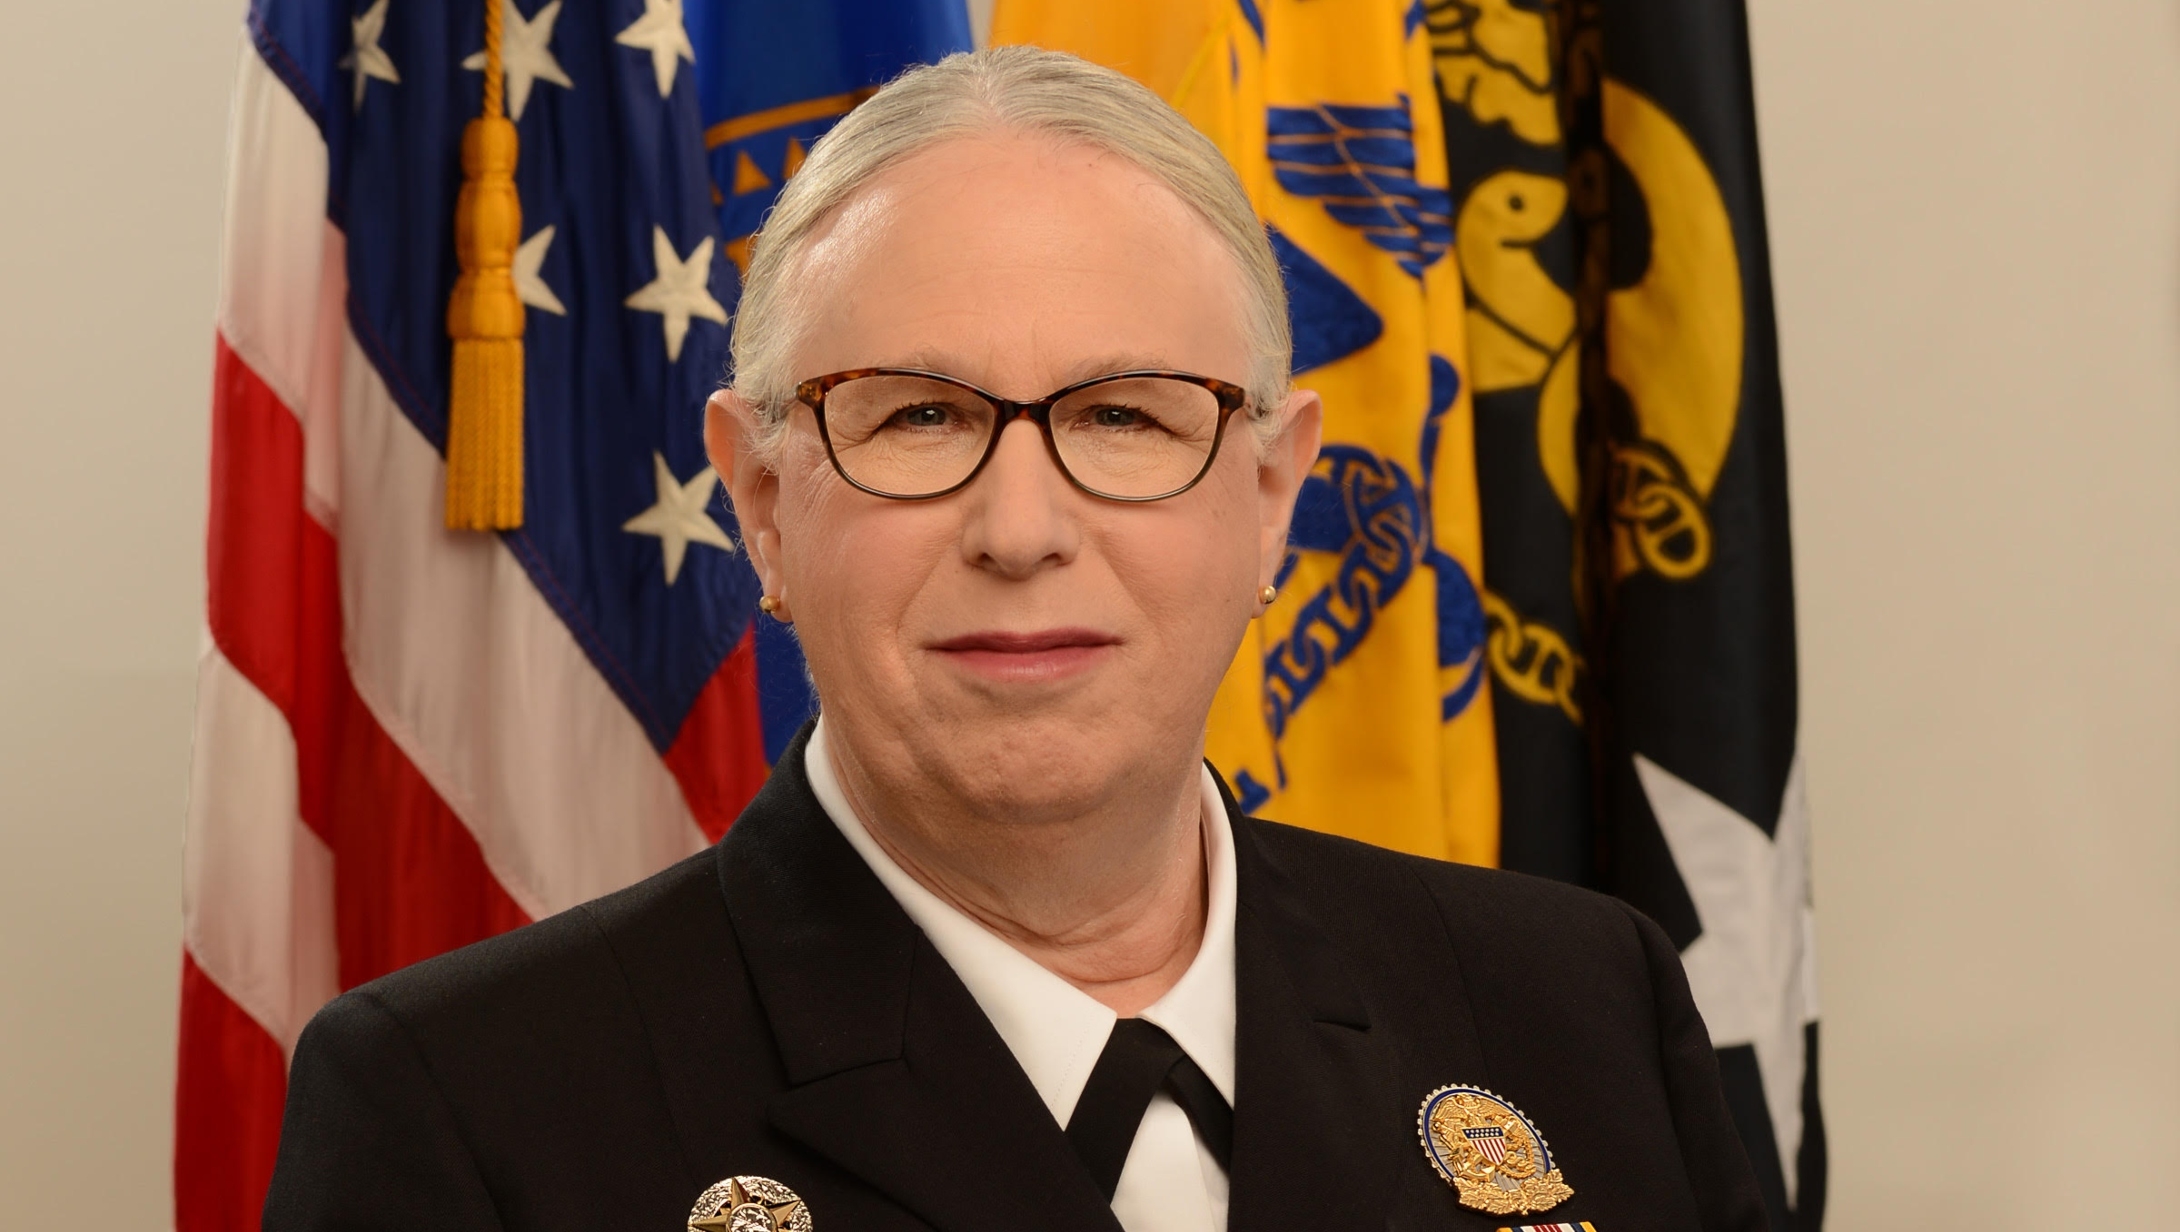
<point>749,1204</point>
<point>1489,1152</point>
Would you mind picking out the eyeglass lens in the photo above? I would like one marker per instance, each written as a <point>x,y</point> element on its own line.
<point>914,436</point>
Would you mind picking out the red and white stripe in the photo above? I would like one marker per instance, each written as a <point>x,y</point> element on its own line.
<point>399,746</point>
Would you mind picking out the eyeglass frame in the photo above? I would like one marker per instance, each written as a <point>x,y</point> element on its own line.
<point>1232,397</point>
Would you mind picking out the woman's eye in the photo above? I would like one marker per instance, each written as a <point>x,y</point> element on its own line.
<point>1116,417</point>
<point>922,417</point>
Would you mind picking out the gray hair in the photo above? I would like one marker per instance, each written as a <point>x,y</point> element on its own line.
<point>1019,89</point>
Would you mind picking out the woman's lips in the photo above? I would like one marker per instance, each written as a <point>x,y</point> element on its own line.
<point>1045,654</point>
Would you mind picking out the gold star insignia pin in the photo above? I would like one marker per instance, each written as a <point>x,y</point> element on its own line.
<point>749,1204</point>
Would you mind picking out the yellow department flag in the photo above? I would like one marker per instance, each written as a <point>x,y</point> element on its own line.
<point>1357,706</point>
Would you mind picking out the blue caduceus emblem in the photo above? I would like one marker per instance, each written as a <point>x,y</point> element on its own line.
<point>1365,509</point>
<point>1377,519</point>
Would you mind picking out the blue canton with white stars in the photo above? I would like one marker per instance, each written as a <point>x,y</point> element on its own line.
<point>624,272</point>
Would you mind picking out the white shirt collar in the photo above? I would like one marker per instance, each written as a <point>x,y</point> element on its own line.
<point>1055,1029</point>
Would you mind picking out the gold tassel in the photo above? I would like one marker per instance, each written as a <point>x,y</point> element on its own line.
<point>485,317</point>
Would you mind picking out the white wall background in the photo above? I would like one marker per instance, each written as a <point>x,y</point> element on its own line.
<point>112,127</point>
<point>1975,207</point>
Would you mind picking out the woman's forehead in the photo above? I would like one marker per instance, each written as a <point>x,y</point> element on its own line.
<point>1006,246</point>
<point>999,168</point>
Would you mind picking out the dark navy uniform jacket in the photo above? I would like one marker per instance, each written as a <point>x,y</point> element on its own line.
<point>766,1008</point>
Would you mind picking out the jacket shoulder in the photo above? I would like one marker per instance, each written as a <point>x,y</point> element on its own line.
<point>550,987</point>
<point>1535,947</point>
<point>528,1060</point>
<point>1569,1002</point>
<point>1327,865</point>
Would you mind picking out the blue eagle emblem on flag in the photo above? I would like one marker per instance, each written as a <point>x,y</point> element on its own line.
<point>1360,163</point>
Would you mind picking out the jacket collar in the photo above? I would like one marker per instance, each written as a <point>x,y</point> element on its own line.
<point>895,1074</point>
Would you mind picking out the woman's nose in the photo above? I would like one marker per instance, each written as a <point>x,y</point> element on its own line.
<point>1020,515</point>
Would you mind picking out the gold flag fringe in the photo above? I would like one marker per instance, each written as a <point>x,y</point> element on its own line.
<point>485,317</point>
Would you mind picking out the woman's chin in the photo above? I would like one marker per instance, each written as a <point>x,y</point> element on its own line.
<point>1035,761</point>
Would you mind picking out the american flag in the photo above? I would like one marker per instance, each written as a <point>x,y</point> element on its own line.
<point>410,738</point>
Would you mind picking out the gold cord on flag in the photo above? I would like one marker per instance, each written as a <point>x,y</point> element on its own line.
<point>485,316</point>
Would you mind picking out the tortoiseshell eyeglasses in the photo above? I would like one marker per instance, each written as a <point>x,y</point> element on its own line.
<point>909,434</point>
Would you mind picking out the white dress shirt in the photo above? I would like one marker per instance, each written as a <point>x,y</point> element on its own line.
<point>1171,1182</point>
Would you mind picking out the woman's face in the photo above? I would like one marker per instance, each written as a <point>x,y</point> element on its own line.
<point>1019,644</point>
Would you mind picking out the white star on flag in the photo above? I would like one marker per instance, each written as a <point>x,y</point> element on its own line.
<point>367,59</point>
<point>660,32</point>
<point>679,519</point>
<point>526,54</point>
<point>1754,969</point>
<point>530,285</point>
<point>681,290</point>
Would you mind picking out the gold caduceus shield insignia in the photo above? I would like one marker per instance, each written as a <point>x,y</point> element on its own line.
<point>749,1204</point>
<point>1489,1152</point>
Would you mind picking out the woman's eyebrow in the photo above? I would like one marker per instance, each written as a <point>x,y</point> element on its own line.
<point>933,360</point>
<point>1126,361</point>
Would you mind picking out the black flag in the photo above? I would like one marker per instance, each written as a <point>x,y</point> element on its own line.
<point>1632,469</point>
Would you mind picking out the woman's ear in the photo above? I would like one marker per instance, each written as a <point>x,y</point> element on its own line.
<point>1279,477</point>
<point>730,438</point>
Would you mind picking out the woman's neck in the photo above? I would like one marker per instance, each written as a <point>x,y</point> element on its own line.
<point>1111,899</point>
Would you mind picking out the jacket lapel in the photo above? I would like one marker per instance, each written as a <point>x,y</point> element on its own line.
<point>893,1071</point>
<point>1312,1143</point>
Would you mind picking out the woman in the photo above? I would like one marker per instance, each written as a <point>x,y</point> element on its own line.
<point>1012,446</point>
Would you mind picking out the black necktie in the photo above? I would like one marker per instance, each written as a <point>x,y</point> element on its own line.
<point>1139,1060</point>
